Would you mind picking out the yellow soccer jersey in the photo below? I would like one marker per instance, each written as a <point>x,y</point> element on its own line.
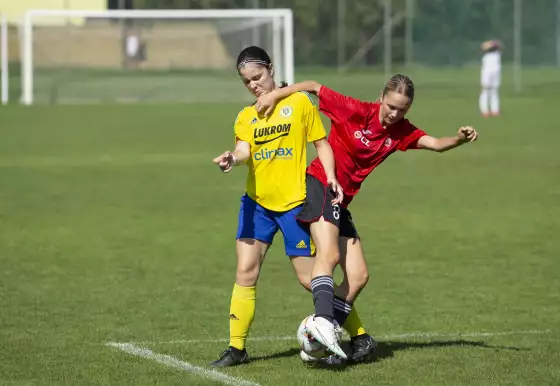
<point>276,178</point>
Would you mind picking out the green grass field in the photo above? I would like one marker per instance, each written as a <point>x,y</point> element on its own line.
<point>116,227</point>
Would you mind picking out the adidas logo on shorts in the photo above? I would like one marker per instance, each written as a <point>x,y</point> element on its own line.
<point>301,244</point>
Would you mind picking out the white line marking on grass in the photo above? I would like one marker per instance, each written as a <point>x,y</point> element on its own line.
<point>181,365</point>
<point>425,334</point>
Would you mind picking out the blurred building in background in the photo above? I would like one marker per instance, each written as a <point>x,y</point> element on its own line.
<point>14,9</point>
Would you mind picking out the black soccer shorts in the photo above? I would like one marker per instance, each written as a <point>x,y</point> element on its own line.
<point>318,203</point>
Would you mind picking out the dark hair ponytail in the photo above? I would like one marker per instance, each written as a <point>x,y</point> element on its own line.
<point>257,55</point>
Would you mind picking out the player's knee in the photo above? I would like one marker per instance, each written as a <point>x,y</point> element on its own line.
<point>363,279</point>
<point>247,273</point>
<point>305,281</point>
<point>329,257</point>
<point>358,280</point>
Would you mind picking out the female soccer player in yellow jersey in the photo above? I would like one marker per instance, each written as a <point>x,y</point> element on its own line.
<point>274,150</point>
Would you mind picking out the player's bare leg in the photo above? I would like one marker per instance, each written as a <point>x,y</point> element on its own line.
<point>325,235</point>
<point>250,255</point>
<point>303,265</point>
<point>353,264</point>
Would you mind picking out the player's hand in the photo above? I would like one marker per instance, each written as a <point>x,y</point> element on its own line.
<point>266,103</point>
<point>467,134</point>
<point>337,190</point>
<point>225,161</point>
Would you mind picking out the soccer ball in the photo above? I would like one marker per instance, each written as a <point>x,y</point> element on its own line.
<point>308,344</point>
<point>306,358</point>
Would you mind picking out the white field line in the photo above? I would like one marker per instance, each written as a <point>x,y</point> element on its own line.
<point>181,365</point>
<point>425,334</point>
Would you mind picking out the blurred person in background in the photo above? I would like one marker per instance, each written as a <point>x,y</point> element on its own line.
<point>490,78</point>
<point>135,47</point>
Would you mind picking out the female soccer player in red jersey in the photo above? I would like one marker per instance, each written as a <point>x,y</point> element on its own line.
<point>362,136</point>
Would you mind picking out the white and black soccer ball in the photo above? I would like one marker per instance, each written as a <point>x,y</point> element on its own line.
<point>308,344</point>
<point>306,358</point>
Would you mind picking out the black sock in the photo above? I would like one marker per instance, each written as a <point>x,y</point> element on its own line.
<point>323,295</point>
<point>341,310</point>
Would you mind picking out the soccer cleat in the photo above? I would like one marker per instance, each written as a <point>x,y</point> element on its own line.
<point>326,333</point>
<point>231,357</point>
<point>362,347</point>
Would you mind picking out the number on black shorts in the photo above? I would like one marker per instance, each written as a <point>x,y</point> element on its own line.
<point>336,211</point>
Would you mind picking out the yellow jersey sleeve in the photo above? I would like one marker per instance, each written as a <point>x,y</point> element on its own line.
<point>241,128</point>
<point>312,120</point>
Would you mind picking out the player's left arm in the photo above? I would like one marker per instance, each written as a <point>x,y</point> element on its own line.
<point>466,134</point>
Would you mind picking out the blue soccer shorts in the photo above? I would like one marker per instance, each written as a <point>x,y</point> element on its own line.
<point>257,222</point>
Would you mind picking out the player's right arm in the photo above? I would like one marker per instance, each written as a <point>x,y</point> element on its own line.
<point>228,159</point>
<point>339,108</point>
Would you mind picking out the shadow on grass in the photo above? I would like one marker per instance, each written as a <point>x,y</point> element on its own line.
<point>387,349</point>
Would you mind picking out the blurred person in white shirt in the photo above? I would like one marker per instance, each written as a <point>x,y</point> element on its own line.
<point>490,78</point>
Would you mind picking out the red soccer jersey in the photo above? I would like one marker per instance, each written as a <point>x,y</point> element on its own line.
<point>358,140</point>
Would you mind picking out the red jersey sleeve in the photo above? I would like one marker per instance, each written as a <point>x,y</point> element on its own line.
<point>410,141</point>
<point>341,108</point>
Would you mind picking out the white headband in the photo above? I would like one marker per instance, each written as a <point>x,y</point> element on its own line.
<point>252,61</point>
